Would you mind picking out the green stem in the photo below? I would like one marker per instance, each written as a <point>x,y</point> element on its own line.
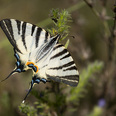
<point>76,7</point>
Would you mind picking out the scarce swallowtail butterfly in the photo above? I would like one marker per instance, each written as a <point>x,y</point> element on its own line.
<point>36,49</point>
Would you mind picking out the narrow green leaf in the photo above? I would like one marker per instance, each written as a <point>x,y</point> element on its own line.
<point>67,43</point>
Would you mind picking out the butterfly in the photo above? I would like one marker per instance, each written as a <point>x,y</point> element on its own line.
<point>36,49</point>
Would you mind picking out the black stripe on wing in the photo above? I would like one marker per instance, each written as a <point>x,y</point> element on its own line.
<point>59,54</point>
<point>46,36</point>
<point>58,46</point>
<point>71,80</point>
<point>47,47</point>
<point>51,43</point>
<point>6,26</point>
<point>33,29</point>
<point>38,36</point>
<point>18,25</point>
<point>23,34</point>
<point>66,56</point>
<point>63,66</point>
<point>70,68</point>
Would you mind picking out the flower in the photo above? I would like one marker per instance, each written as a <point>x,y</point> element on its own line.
<point>101,102</point>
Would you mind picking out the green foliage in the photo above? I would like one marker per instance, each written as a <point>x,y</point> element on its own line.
<point>47,101</point>
<point>60,20</point>
<point>5,101</point>
<point>85,76</point>
<point>97,111</point>
<point>28,110</point>
<point>52,98</point>
<point>67,43</point>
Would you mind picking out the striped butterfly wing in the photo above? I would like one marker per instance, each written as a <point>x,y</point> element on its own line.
<point>42,53</point>
<point>61,67</point>
<point>40,57</point>
<point>24,37</point>
<point>57,65</point>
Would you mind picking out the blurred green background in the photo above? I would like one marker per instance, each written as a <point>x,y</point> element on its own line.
<point>91,43</point>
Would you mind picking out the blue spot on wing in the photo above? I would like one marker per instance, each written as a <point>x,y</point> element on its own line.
<point>18,63</point>
<point>33,67</point>
<point>43,80</point>
<point>17,56</point>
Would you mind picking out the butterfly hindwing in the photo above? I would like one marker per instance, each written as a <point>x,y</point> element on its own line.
<point>61,67</point>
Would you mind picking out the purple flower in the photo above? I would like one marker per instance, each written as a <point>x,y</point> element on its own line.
<point>101,102</point>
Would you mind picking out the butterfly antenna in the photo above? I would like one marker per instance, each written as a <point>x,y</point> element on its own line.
<point>28,92</point>
<point>9,75</point>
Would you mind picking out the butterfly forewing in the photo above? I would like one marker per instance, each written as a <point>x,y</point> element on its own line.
<point>61,67</point>
<point>24,37</point>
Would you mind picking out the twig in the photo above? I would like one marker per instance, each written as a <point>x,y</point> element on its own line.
<point>97,14</point>
<point>112,37</point>
<point>91,6</point>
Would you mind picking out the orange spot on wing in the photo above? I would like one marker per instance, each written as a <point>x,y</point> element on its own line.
<point>33,64</point>
<point>37,68</point>
<point>29,63</point>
